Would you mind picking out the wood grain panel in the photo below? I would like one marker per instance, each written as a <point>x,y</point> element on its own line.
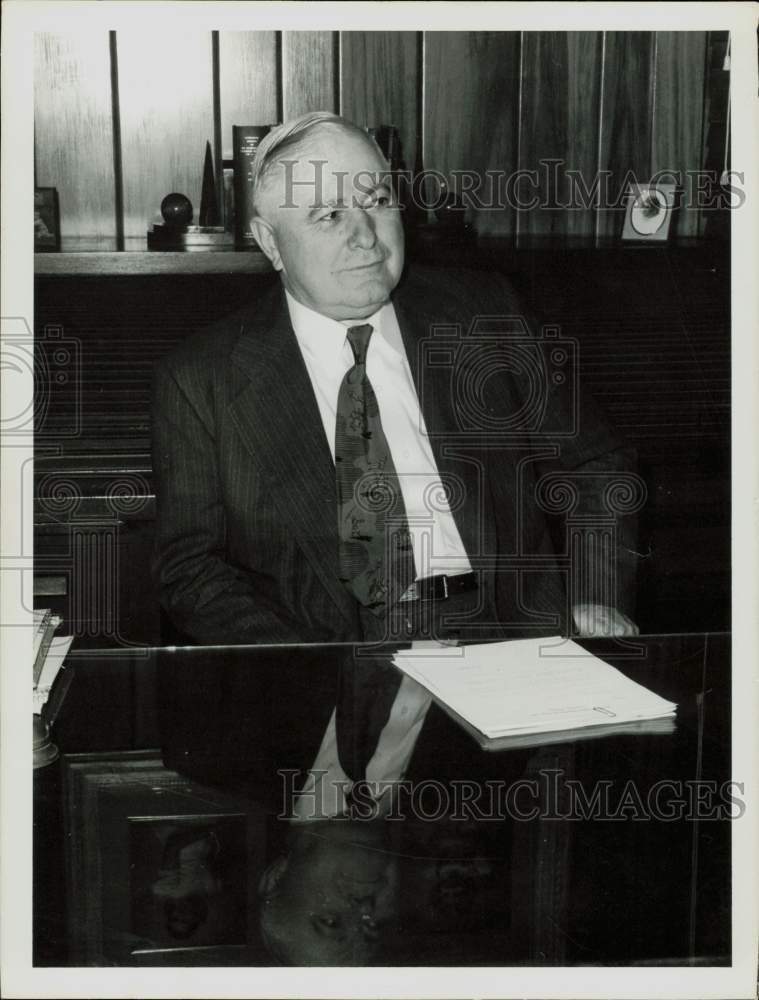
<point>308,72</point>
<point>379,83</point>
<point>73,130</point>
<point>561,77</point>
<point>626,115</point>
<point>166,110</point>
<point>247,81</point>
<point>678,115</point>
<point>471,96</point>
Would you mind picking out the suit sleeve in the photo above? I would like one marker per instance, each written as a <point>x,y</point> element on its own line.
<point>601,470</point>
<point>598,468</point>
<point>205,596</point>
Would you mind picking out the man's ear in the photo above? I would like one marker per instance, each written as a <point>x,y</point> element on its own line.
<point>267,240</point>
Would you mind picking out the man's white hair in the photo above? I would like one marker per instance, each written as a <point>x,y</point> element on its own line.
<point>286,137</point>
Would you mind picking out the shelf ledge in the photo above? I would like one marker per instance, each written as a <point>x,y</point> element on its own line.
<point>151,262</point>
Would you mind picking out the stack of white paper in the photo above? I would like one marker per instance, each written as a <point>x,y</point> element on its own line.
<point>48,654</point>
<point>45,623</point>
<point>531,686</point>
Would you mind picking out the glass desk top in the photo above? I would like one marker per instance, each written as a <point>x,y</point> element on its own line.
<point>180,767</point>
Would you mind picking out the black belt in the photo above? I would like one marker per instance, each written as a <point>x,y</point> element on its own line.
<point>440,588</point>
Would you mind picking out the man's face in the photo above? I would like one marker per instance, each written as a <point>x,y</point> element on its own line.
<point>335,898</point>
<point>332,227</point>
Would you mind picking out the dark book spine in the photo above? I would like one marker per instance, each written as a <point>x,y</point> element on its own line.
<point>245,140</point>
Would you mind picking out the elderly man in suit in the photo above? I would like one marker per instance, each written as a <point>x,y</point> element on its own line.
<point>372,450</point>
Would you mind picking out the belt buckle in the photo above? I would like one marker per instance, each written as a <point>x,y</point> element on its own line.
<point>435,589</point>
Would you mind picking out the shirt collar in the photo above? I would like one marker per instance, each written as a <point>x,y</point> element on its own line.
<point>323,339</point>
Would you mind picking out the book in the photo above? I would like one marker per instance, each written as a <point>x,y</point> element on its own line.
<point>245,140</point>
<point>529,692</point>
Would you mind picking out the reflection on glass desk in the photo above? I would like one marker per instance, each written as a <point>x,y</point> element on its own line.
<point>162,834</point>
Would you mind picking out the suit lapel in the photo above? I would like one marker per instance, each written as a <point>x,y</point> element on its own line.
<point>279,421</point>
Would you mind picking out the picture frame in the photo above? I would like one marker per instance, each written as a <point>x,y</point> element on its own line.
<point>649,211</point>
<point>160,870</point>
<point>47,223</point>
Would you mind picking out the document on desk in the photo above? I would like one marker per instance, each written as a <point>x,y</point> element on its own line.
<point>54,657</point>
<point>528,687</point>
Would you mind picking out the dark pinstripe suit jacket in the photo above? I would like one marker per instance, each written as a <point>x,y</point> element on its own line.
<point>246,546</point>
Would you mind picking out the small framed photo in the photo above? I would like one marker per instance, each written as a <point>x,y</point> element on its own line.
<point>47,227</point>
<point>648,215</point>
<point>159,869</point>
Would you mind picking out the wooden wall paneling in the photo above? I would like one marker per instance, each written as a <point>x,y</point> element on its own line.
<point>73,132</point>
<point>308,72</point>
<point>715,155</point>
<point>166,113</point>
<point>626,115</point>
<point>248,81</point>
<point>471,97</point>
<point>379,83</point>
<point>678,115</point>
<point>561,78</point>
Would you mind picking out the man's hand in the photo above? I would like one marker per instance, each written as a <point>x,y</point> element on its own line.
<point>600,620</point>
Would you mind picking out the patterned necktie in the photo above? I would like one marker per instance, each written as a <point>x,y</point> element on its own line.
<point>376,557</point>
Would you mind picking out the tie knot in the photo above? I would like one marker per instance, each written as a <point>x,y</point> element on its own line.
<point>358,338</point>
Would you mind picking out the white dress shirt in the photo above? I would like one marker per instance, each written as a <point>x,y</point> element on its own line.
<point>324,345</point>
<point>436,541</point>
<point>323,792</point>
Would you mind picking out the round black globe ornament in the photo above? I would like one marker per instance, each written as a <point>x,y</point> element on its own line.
<point>176,210</point>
